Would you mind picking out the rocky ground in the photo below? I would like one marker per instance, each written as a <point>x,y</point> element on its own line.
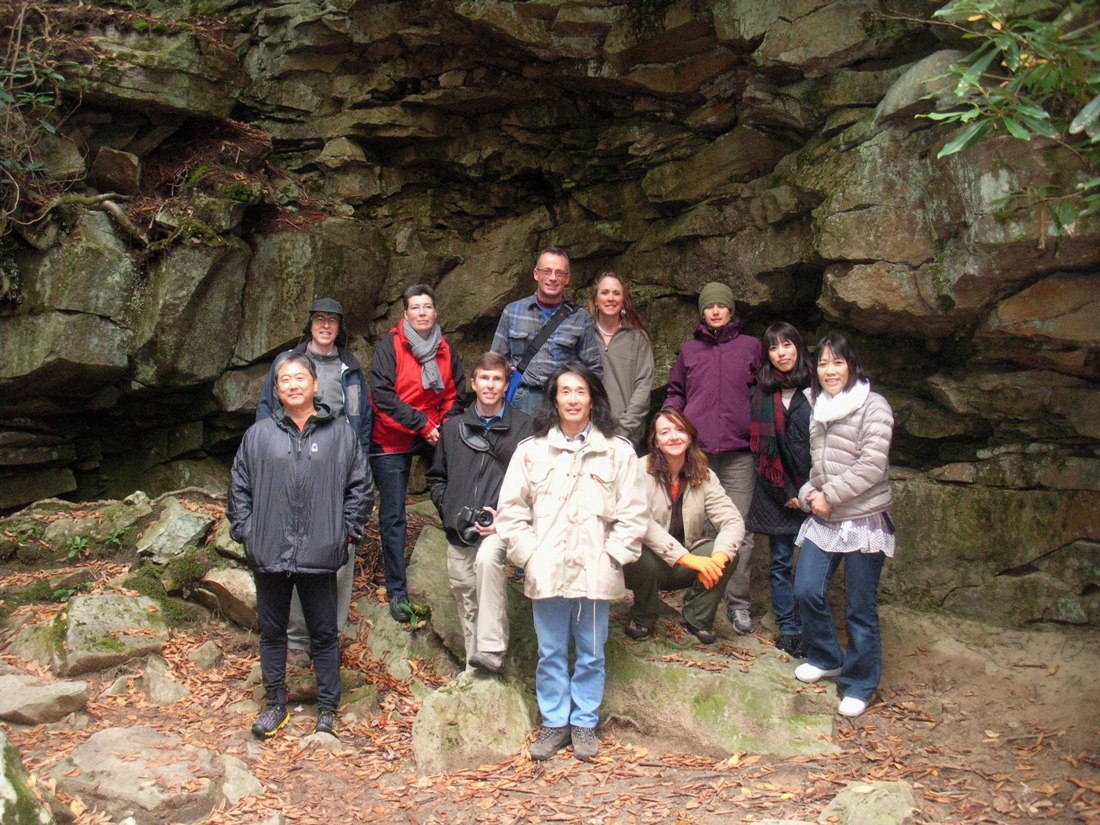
<point>985,724</point>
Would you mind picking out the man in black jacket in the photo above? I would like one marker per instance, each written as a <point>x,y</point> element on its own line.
<point>341,388</point>
<point>299,494</point>
<point>473,452</point>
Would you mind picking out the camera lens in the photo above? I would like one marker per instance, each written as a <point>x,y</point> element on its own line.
<point>484,518</point>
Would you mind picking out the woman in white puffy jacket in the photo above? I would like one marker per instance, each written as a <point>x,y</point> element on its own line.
<point>571,514</point>
<point>848,494</point>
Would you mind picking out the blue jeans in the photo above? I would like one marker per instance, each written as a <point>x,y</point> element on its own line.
<point>391,478</point>
<point>861,666</point>
<point>566,699</point>
<point>318,596</point>
<point>781,579</point>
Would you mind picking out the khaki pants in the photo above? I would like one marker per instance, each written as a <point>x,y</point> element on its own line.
<point>480,589</point>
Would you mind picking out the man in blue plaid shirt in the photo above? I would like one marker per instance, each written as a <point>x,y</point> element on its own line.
<point>573,342</point>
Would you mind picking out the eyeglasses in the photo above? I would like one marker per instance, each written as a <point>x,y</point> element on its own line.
<point>557,273</point>
<point>326,320</point>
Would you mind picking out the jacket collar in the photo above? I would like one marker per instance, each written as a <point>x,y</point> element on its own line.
<point>502,424</point>
<point>721,336</point>
<point>345,354</point>
<point>322,416</point>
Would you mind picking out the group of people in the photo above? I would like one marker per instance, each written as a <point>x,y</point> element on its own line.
<point>541,470</point>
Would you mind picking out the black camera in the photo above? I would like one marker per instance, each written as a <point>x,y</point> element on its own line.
<point>469,519</point>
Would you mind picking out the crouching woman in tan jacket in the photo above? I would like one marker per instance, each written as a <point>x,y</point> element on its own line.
<point>571,514</point>
<point>686,505</point>
<point>849,496</point>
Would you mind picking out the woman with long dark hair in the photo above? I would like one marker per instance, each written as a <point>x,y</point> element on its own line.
<point>685,500</point>
<point>571,515</point>
<point>627,354</point>
<point>849,496</point>
<point>779,437</point>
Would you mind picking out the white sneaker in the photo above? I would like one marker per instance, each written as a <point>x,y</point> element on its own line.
<point>851,706</point>
<point>806,672</point>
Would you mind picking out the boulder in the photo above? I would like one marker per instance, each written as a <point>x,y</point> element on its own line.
<point>115,171</point>
<point>141,773</point>
<point>926,86</point>
<point>31,485</point>
<point>98,632</point>
<point>224,545</point>
<point>474,720</point>
<point>206,656</point>
<point>18,804</point>
<point>239,781</point>
<point>158,685</point>
<point>175,531</point>
<point>667,692</point>
<point>871,803</point>
<point>30,700</point>
<point>230,591</point>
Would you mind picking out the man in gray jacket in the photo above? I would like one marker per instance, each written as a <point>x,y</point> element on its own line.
<point>299,494</point>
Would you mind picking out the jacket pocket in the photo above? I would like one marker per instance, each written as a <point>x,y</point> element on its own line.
<point>600,500</point>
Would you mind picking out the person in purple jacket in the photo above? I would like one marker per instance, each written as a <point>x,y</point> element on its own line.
<point>711,384</point>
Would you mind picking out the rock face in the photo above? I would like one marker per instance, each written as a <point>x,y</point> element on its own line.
<point>99,631</point>
<point>447,143</point>
<point>31,701</point>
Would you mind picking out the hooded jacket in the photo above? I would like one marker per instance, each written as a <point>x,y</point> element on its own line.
<point>462,476</point>
<point>572,514</point>
<point>712,383</point>
<point>356,409</point>
<point>403,409</point>
<point>296,497</point>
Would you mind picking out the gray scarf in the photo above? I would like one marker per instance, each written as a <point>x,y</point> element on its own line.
<point>425,349</point>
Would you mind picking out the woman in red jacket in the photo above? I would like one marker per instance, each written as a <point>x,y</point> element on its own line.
<point>416,384</point>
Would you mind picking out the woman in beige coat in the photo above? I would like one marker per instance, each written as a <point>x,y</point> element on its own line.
<point>849,496</point>
<point>686,505</point>
<point>571,514</point>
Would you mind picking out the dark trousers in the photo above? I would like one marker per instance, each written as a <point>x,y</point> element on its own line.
<point>650,574</point>
<point>391,478</point>
<point>317,592</point>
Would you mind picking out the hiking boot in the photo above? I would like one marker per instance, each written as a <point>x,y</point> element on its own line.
<point>792,643</point>
<point>550,741</point>
<point>705,637</point>
<point>585,743</point>
<point>637,631</point>
<point>487,660</point>
<point>401,610</point>
<point>741,620</point>
<point>326,722</point>
<point>270,721</point>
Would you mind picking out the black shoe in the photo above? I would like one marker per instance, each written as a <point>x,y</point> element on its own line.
<point>326,723</point>
<point>270,721</point>
<point>401,610</point>
<point>792,644</point>
<point>636,631</point>
<point>706,637</point>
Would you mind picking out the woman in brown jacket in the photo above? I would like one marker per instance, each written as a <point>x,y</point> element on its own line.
<point>849,496</point>
<point>680,550</point>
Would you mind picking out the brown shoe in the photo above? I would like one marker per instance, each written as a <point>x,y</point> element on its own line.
<point>550,741</point>
<point>585,743</point>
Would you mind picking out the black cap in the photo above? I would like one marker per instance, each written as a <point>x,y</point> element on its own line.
<point>327,305</point>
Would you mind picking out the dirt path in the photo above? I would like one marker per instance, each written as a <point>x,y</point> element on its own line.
<point>986,725</point>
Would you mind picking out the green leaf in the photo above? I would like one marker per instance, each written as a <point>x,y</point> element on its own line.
<point>1039,127</point>
<point>1086,117</point>
<point>967,138</point>
<point>1015,129</point>
<point>1065,214</point>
